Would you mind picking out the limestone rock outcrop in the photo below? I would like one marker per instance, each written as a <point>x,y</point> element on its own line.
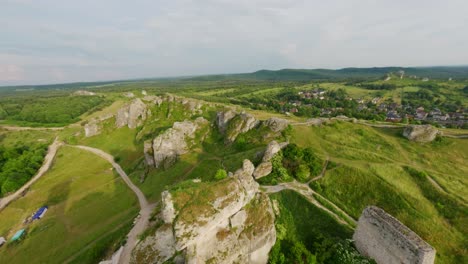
<point>265,166</point>
<point>385,239</point>
<point>172,143</point>
<point>228,221</point>
<point>92,128</point>
<point>222,119</point>
<point>276,124</point>
<point>84,93</point>
<point>131,115</point>
<point>420,133</point>
<point>231,124</point>
<point>157,100</point>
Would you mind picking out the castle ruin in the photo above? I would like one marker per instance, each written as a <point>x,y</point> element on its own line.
<point>385,239</point>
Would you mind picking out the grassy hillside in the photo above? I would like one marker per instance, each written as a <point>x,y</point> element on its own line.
<point>90,209</point>
<point>456,72</point>
<point>423,185</point>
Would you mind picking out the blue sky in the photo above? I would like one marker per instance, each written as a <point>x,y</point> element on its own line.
<point>54,41</point>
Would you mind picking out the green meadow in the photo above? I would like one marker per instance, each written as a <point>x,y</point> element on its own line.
<point>377,166</point>
<point>90,211</point>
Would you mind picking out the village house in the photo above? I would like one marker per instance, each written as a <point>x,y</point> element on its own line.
<point>376,100</point>
<point>361,107</point>
<point>382,107</point>
<point>393,116</point>
<point>440,117</point>
<point>420,115</point>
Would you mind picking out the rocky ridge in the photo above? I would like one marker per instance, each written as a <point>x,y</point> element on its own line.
<point>132,115</point>
<point>228,221</point>
<point>232,124</point>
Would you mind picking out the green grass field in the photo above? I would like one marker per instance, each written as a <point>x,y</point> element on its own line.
<point>371,171</point>
<point>12,138</point>
<point>90,209</point>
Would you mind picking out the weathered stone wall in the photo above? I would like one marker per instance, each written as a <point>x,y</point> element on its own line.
<point>383,238</point>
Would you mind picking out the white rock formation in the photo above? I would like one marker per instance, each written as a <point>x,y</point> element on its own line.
<point>265,166</point>
<point>129,95</point>
<point>173,142</point>
<point>92,128</point>
<point>131,115</point>
<point>232,126</point>
<point>276,124</point>
<point>420,133</point>
<point>222,119</point>
<point>84,93</point>
<point>228,221</point>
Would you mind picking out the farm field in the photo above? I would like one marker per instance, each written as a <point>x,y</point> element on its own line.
<point>90,211</point>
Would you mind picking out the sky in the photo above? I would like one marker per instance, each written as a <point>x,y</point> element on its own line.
<point>57,41</point>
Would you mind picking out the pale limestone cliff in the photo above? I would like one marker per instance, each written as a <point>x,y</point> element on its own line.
<point>265,166</point>
<point>231,124</point>
<point>92,128</point>
<point>132,115</point>
<point>222,119</point>
<point>172,143</point>
<point>228,221</point>
<point>276,124</point>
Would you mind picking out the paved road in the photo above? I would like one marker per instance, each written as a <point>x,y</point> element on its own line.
<point>48,159</point>
<point>145,211</point>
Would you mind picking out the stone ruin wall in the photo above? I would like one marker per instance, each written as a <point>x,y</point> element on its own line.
<point>383,238</point>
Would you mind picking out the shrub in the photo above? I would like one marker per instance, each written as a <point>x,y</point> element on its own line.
<point>220,174</point>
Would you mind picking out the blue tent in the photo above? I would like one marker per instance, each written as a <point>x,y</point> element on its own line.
<point>39,213</point>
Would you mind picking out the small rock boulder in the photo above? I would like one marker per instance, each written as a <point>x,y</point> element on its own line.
<point>421,133</point>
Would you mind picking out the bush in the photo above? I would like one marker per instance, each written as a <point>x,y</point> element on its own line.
<point>220,174</point>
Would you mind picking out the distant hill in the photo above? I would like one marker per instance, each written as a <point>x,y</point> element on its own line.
<point>455,72</point>
<point>439,72</point>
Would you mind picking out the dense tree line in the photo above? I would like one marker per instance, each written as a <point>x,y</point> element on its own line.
<point>18,164</point>
<point>58,110</point>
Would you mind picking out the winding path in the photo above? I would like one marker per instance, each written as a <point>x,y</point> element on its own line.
<point>48,159</point>
<point>308,193</point>
<point>21,128</point>
<point>145,211</point>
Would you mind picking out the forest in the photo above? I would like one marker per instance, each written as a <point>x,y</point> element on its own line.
<point>18,164</point>
<point>57,110</point>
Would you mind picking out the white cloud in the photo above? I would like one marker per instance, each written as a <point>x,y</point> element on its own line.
<point>89,40</point>
<point>11,73</point>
